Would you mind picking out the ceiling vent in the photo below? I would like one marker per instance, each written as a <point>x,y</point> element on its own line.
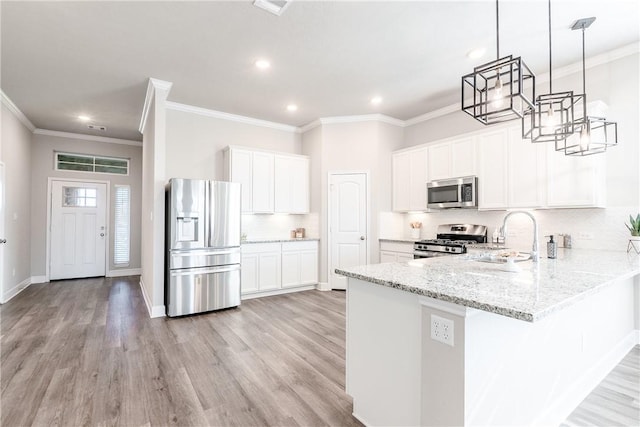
<point>97,127</point>
<point>273,6</point>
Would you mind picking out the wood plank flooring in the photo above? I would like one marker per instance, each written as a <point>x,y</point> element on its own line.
<point>84,352</point>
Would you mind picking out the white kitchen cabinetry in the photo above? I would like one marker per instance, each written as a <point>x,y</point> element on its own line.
<point>452,159</point>
<point>239,164</point>
<point>271,268</point>
<point>261,267</point>
<point>291,184</point>
<point>526,165</point>
<point>492,170</point>
<point>299,263</point>
<point>262,182</point>
<point>410,180</point>
<point>396,251</point>
<point>575,181</point>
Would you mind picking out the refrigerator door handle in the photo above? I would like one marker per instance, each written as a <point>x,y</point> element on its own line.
<point>191,254</point>
<point>201,270</point>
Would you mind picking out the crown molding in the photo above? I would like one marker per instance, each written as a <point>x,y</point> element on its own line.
<point>362,118</point>
<point>312,125</point>
<point>433,114</point>
<point>228,116</point>
<point>16,111</point>
<point>154,85</point>
<point>83,137</point>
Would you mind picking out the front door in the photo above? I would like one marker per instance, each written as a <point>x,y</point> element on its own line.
<point>78,229</point>
<point>347,224</point>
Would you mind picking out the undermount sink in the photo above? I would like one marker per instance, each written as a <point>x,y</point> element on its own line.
<point>496,259</point>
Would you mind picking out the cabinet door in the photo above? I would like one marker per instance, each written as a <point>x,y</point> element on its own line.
<point>401,181</point>
<point>388,256</point>
<point>282,179</point>
<point>463,157</point>
<point>405,257</point>
<point>262,182</point>
<point>526,166</point>
<point>299,185</point>
<point>439,166</point>
<point>242,171</point>
<point>249,273</point>
<point>418,180</point>
<point>308,267</point>
<point>492,173</point>
<point>290,269</point>
<point>575,181</point>
<point>269,271</point>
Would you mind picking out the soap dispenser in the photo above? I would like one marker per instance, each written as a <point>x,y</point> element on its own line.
<point>551,247</point>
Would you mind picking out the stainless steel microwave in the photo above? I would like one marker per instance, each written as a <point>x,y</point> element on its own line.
<point>453,193</point>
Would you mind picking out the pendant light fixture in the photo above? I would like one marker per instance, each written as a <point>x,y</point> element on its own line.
<point>500,90</point>
<point>553,116</point>
<point>592,135</point>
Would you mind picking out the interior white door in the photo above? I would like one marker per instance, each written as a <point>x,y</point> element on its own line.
<point>3,237</point>
<point>347,224</point>
<point>78,229</point>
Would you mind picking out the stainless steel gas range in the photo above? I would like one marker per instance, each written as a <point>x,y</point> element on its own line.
<point>451,239</point>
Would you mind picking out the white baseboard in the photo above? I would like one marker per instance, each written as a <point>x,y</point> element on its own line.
<point>323,286</point>
<point>277,292</point>
<point>121,272</point>
<point>359,418</point>
<point>38,279</point>
<point>574,395</point>
<point>15,290</point>
<point>154,310</point>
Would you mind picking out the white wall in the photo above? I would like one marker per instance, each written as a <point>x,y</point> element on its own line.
<point>616,84</point>
<point>15,153</point>
<point>43,166</point>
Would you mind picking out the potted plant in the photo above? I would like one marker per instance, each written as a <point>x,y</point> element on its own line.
<point>634,228</point>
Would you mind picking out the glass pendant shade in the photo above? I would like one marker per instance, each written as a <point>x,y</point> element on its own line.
<point>592,136</point>
<point>498,91</point>
<point>552,118</point>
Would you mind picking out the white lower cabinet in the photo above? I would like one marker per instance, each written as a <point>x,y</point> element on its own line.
<point>273,267</point>
<point>396,251</point>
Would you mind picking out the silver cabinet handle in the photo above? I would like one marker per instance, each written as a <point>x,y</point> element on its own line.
<point>361,237</point>
<point>3,240</point>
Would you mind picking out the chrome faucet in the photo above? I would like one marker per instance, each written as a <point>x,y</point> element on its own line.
<point>535,249</point>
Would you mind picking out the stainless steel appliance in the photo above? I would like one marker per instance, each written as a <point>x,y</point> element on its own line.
<point>202,246</point>
<point>453,193</point>
<point>451,239</point>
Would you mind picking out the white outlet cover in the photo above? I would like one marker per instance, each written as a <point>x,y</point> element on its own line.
<point>442,330</point>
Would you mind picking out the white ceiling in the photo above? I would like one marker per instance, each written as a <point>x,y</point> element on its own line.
<point>62,59</point>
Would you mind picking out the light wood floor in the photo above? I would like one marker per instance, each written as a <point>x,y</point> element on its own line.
<point>85,352</point>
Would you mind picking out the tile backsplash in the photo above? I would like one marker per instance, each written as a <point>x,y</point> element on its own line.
<point>278,226</point>
<point>590,228</point>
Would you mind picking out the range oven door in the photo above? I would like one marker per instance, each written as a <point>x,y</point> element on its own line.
<point>453,193</point>
<point>428,254</point>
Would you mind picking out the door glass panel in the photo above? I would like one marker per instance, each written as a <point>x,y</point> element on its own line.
<point>79,197</point>
<point>443,194</point>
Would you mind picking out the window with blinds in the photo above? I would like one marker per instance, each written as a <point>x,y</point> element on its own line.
<point>121,243</point>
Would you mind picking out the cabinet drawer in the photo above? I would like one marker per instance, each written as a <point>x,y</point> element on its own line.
<point>299,246</point>
<point>397,247</point>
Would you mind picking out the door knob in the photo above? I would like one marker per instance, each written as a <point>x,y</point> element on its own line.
<point>361,237</point>
<point>3,240</point>
<point>101,234</point>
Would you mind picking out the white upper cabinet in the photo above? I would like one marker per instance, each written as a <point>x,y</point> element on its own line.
<point>410,180</point>
<point>575,181</point>
<point>492,170</point>
<point>271,182</point>
<point>527,171</point>
<point>452,159</point>
<point>291,184</point>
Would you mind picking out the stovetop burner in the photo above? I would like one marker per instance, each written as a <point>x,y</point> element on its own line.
<point>451,239</point>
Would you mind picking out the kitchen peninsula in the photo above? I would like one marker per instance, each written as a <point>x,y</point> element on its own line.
<point>523,348</point>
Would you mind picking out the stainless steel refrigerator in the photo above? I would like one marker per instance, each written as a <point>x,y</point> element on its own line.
<point>202,246</point>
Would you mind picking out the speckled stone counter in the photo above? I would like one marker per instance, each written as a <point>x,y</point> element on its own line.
<point>304,239</point>
<point>399,240</point>
<point>530,295</point>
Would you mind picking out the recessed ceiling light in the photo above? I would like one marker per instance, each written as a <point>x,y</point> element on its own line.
<point>263,64</point>
<point>84,118</point>
<point>476,53</point>
<point>292,107</point>
<point>376,100</point>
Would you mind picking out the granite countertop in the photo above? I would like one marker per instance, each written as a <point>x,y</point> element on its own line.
<point>531,294</point>
<point>303,239</point>
<point>399,240</point>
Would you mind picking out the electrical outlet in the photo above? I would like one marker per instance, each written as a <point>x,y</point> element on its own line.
<point>585,235</point>
<point>442,329</point>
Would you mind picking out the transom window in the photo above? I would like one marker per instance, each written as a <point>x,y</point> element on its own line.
<point>95,164</point>
<point>79,197</point>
